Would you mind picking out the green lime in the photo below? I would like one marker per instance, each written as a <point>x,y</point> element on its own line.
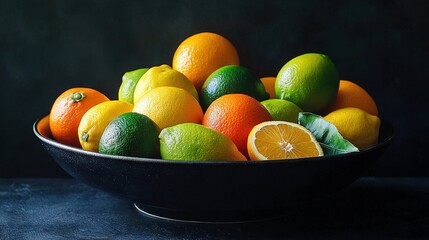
<point>231,79</point>
<point>311,81</point>
<point>130,134</point>
<point>282,110</point>
<point>195,142</point>
<point>129,83</point>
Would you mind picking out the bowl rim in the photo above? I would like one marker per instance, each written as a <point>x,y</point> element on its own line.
<point>52,142</point>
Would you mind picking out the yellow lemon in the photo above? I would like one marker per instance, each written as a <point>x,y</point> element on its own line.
<point>168,106</point>
<point>356,125</point>
<point>193,142</point>
<point>95,120</point>
<point>163,75</point>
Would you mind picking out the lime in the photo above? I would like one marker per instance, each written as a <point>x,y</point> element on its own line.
<point>163,76</point>
<point>282,110</point>
<point>231,79</point>
<point>129,82</point>
<point>310,81</point>
<point>130,134</point>
<point>350,94</point>
<point>193,142</point>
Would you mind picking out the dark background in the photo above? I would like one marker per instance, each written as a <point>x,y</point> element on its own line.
<point>49,46</point>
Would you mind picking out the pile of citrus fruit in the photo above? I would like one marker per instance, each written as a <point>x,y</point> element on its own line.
<point>206,106</point>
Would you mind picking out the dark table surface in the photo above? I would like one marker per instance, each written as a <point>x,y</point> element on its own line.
<point>371,208</point>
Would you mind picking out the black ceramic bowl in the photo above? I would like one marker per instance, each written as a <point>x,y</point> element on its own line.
<point>211,190</point>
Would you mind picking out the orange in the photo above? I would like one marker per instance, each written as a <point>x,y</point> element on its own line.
<point>274,140</point>
<point>269,84</point>
<point>351,94</point>
<point>67,111</point>
<point>201,54</point>
<point>235,115</point>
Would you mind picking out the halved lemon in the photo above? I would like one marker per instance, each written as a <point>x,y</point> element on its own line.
<point>273,140</point>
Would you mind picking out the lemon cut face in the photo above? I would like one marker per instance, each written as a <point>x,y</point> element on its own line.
<point>276,140</point>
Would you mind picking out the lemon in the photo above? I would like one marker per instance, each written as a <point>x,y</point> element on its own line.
<point>130,134</point>
<point>168,106</point>
<point>95,120</point>
<point>356,125</point>
<point>193,142</point>
<point>310,80</point>
<point>163,75</point>
<point>282,110</point>
<point>129,83</point>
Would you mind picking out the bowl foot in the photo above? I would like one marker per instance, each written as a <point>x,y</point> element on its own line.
<point>216,217</point>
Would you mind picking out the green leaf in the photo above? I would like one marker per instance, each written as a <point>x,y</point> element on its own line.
<point>326,134</point>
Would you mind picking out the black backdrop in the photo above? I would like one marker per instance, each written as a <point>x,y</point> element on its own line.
<point>49,46</point>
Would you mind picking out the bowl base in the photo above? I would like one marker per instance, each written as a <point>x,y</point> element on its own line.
<point>215,217</point>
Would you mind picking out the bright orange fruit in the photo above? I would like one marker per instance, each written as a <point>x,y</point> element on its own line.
<point>235,115</point>
<point>67,111</point>
<point>351,94</point>
<point>269,84</point>
<point>201,54</point>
